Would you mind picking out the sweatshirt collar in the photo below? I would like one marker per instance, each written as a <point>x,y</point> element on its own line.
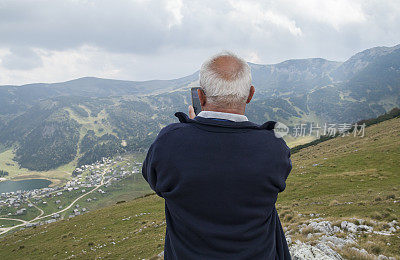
<point>183,118</point>
<point>222,115</point>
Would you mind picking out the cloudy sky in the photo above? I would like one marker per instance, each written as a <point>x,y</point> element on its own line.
<point>52,41</point>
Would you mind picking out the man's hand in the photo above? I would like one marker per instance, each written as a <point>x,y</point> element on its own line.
<point>191,112</point>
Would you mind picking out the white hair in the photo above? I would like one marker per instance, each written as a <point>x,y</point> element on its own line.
<point>226,85</point>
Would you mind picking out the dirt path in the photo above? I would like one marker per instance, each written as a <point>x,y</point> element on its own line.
<point>5,230</point>
<point>41,211</point>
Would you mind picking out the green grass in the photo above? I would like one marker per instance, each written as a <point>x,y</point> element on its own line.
<point>295,141</point>
<point>347,175</point>
<point>61,174</point>
<point>57,176</point>
<point>368,178</point>
<point>66,198</point>
<point>362,176</point>
<point>83,235</point>
<point>125,190</point>
<point>8,223</point>
<point>91,122</point>
<point>30,214</point>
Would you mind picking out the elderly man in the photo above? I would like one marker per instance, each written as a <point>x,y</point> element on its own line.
<point>220,174</point>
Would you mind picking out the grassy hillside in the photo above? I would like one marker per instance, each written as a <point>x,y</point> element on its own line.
<point>337,180</point>
<point>80,121</point>
<point>57,176</point>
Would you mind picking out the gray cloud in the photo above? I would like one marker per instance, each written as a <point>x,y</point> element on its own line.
<point>21,59</point>
<point>113,25</point>
<point>144,39</point>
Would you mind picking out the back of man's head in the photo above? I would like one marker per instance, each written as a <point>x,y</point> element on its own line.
<point>226,80</point>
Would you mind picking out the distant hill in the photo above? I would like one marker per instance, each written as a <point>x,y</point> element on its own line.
<point>45,126</point>
<point>394,113</point>
<point>348,178</point>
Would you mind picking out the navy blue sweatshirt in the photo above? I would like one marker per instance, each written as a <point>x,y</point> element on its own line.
<point>220,181</point>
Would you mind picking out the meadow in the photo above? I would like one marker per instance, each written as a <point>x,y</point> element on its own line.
<point>345,178</point>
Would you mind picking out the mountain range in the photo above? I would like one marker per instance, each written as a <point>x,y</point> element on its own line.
<point>79,121</point>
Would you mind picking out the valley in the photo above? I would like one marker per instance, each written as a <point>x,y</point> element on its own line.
<point>89,137</point>
<point>93,186</point>
<point>47,130</point>
<point>341,201</point>
<point>298,142</point>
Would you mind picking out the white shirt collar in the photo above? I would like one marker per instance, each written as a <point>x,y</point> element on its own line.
<point>222,115</point>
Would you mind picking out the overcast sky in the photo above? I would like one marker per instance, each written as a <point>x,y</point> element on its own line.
<point>52,41</point>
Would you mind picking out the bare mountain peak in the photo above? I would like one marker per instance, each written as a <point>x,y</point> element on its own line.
<point>361,60</point>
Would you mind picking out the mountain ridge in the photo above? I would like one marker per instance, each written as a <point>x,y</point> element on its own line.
<point>380,50</point>
<point>100,114</point>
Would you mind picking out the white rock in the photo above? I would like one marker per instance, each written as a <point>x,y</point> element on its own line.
<point>365,228</point>
<point>367,255</point>
<point>362,251</point>
<point>383,233</point>
<point>349,226</point>
<point>328,251</point>
<point>323,227</point>
<point>338,242</point>
<point>302,251</point>
<point>336,229</point>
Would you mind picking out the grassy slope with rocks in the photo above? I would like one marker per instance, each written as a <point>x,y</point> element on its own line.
<point>342,179</point>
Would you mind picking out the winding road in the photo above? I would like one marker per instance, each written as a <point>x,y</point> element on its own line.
<point>24,222</point>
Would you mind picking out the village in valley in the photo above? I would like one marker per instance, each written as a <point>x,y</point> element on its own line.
<point>100,183</point>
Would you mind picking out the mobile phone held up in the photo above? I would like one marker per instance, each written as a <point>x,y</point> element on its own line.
<point>196,100</point>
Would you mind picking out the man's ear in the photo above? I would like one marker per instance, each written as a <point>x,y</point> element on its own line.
<point>252,90</point>
<point>202,97</point>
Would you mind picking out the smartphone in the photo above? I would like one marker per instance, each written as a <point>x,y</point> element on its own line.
<point>196,100</point>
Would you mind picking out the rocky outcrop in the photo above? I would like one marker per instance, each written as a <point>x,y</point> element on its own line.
<point>302,251</point>
<point>326,241</point>
<point>328,238</point>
